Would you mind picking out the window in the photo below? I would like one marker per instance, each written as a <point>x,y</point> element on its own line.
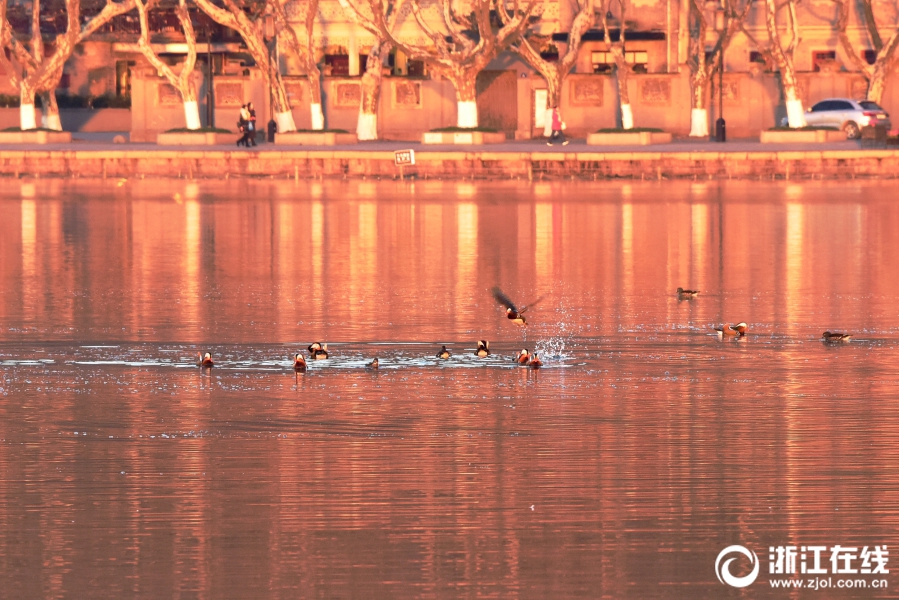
<point>869,56</point>
<point>868,105</point>
<point>415,68</point>
<point>842,105</point>
<point>603,61</point>
<point>756,57</point>
<point>823,106</point>
<point>820,56</point>
<point>339,63</point>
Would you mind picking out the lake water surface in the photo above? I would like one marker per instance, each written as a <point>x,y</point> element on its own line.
<point>642,448</point>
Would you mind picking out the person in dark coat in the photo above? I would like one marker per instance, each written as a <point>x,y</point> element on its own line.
<point>243,125</point>
<point>252,123</point>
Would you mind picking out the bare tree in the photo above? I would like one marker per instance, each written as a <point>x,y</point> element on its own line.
<point>461,45</point>
<point>367,124</point>
<point>622,70</point>
<point>303,54</point>
<point>251,31</point>
<point>41,74</point>
<point>555,72</point>
<point>702,65</point>
<point>782,57</point>
<point>885,53</point>
<point>183,80</point>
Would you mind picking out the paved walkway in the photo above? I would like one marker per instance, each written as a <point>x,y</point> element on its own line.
<point>103,142</point>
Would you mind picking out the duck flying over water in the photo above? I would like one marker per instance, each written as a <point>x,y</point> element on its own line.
<point>686,294</point>
<point>828,336</point>
<point>513,313</point>
<point>299,363</point>
<point>535,362</point>
<point>373,364</point>
<point>523,357</point>
<point>738,330</point>
<point>444,353</point>
<point>204,360</point>
<point>483,350</point>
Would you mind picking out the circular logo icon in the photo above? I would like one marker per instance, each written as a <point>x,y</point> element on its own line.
<point>722,570</point>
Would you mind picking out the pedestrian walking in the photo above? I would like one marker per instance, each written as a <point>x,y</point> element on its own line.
<point>252,122</point>
<point>243,124</point>
<point>557,126</point>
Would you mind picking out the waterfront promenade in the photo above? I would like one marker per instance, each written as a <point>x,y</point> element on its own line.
<point>94,155</point>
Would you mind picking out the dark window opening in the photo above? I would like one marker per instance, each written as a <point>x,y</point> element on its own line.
<point>869,56</point>
<point>820,56</point>
<point>123,77</point>
<point>415,68</point>
<point>756,57</point>
<point>339,63</point>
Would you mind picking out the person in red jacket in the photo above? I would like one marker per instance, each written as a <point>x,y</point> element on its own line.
<point>557,126</point>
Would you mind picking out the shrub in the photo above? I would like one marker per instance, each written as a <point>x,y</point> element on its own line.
<point>464,130</point>
<point>806,128</point>
<point>200,130</point>
<point>632,130</point>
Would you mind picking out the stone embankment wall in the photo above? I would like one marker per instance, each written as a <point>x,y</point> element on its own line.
<point>838,164</point>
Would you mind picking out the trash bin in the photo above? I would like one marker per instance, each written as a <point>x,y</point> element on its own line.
<point>272,128</point>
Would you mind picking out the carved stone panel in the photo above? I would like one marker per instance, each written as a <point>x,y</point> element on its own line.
<point>731,91</point>
<point>655,91</point>
<point>586,91</point>
<point>347,94</point>
<point>406,93</point>
<point>295,92</point>
<point>228,94</point>
<point>168,95</point>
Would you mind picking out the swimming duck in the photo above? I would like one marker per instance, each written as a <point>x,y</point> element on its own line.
<point>686,294</point>
<point>828,336</point>
<point>299,363</point>
<point>483,349</point>
<point>535,362</point>
<point>444,353</point>
<point>513,313</point>
<point>523,357</point>
<point>373,364</point>
<point>313,348</point>
<point>738,330</point>
<point>320,352</point>
<point>204,361</point>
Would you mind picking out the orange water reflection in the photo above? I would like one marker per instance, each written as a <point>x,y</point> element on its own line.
<point>620,470</point>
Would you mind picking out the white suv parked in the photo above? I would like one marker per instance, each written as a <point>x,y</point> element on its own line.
<point>847,115</point>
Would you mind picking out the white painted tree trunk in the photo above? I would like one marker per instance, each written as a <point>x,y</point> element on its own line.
<point>285,122</point>
<point>318,118</point>
<point>627,117</point>
<point>367,126</point>
<point>192,114</point>
<point>699,122</point>
<point>26,117</point>
<point>50,121</point>
<point>467,113</point>
<point>795,114</point>
<point>548,122</point>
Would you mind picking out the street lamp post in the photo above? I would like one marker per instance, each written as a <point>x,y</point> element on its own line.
<point>720,26</point>
<point>210,94</point>
<point>272,42</point>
